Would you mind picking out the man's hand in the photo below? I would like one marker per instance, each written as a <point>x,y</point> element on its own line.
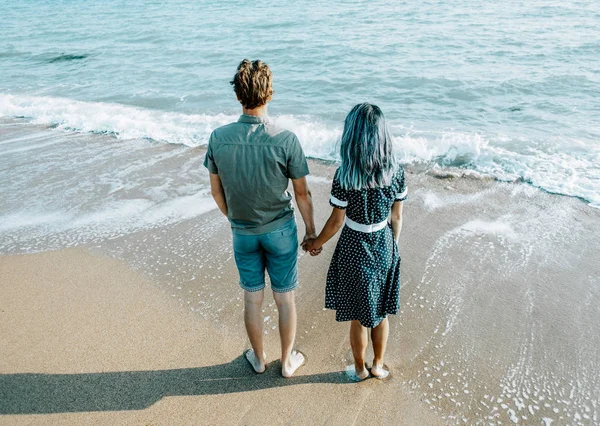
<point>309,237</point>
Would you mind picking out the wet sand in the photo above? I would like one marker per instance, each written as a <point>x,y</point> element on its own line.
<point>500,321</point>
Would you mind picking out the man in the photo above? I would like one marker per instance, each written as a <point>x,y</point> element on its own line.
<point>250,164</point>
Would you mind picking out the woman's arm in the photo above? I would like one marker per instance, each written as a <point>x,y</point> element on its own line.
<point>397,219</point>
<point>216,189</point>
<point>332,226</point>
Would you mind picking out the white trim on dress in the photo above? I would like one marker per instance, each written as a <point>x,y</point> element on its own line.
<point>401,195</point>
<point>365,228</point>
<point>338,203</point>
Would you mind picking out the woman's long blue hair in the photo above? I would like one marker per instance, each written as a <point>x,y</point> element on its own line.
<point>366,149</point>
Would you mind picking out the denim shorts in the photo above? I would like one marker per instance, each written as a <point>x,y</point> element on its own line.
<point>277,251</point>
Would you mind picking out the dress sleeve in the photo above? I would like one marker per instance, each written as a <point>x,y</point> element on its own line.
<point>401,195</point>
<point>209,159</point>
<point>339,196</point>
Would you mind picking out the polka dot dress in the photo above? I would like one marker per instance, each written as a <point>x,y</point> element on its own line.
<point>363,281</point>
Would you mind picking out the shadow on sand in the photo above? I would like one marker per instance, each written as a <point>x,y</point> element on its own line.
<point>31,393</point>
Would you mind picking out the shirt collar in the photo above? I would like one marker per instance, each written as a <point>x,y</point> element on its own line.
<point>253,119</point>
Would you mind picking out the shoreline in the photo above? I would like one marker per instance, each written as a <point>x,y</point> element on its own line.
<point>499,318</point>
<point>431,166</point>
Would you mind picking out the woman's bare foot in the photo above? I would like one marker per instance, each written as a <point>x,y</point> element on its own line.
<point>379,371</point>
<point>293,363</point>
<point>361,373</point>
<point>258,365</point>
<point>357,376</point>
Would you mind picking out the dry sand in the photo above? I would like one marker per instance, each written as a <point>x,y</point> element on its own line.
<point>500,322</point>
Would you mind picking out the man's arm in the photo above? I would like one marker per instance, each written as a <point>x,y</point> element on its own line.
<point>216,189</point>
<point>305,205</point>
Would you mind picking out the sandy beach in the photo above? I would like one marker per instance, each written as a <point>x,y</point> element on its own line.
<point>499,322</point>
<point>92,342</point>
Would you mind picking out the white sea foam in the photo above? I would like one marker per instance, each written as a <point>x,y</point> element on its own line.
<point>180,208</point>
<point>30,231</point>
<point>433,201</point>
<point>571,173</point>
<point>121,212</point>
<point>126,213</point>
<point>453,147</point>
<point>318,139</point>
<point>123,121</point>
<point>500,228</point>
<point>28,219</point>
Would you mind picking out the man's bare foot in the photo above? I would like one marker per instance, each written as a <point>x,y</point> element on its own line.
<point>379,371</point>
<point>294,362</point>
<point>357,375</point>
<point>258,365</point>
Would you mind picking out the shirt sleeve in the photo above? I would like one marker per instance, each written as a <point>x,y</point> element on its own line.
<point>401,195</point>
<point>339,196</point>
<point>209,159</point>
<point>297,166</point>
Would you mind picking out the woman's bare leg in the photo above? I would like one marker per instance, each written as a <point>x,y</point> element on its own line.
<point>379,335</point>
<point>359,339</point>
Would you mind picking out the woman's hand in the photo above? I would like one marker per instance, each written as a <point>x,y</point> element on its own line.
<point>311,246</point>
<point>333,224</point>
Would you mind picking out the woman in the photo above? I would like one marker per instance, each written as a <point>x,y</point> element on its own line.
<point>363,281</point>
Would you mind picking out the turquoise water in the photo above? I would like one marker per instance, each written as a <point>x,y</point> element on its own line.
<point>509,89</point>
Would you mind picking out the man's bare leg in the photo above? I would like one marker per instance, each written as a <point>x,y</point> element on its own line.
<point>290,360</point>
<point>253,319</point>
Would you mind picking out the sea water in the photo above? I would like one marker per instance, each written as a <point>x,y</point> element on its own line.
<point>507,89</point>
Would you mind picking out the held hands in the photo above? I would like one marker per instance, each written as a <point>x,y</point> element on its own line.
<point>309,245</point>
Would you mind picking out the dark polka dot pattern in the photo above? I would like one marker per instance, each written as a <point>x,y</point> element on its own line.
<point>363,281</point>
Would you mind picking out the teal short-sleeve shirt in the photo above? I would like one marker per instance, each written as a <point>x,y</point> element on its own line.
<point>255,160</point>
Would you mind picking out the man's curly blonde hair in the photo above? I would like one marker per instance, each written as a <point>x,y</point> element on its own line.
<point>252,83</point>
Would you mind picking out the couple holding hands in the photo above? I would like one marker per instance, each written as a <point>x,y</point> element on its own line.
<point>250,163</point>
